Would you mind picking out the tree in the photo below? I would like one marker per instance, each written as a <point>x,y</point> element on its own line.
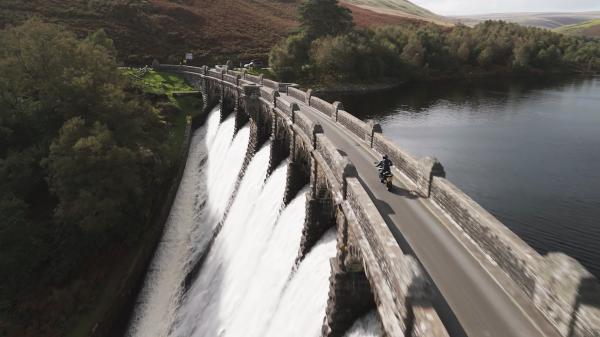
<point>80,152</point>
<point>289,56</point>
<point>97,181</point>
<point>324,17</point>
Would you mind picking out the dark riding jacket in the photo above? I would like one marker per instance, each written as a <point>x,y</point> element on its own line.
<point>385,165</point>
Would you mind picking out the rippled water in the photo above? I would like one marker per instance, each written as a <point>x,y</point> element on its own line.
<point>526,150</point>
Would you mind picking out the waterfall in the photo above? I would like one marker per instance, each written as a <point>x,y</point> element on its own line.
<point>302,305</point>
<point>189,224</point>
<point>211,300</point>
<point>162,288</point>
<point>367,326</point>
<point>248,284</point>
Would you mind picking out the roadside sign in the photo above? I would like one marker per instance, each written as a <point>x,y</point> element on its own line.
<point>189,56</point>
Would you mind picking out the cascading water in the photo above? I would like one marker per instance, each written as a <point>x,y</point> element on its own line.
<point>162,287</point>
<point>265,286</point>
<point>211,300</point>
<point>247,285</point>
<point>367,326</point>
<point>190,224</point>
<point>223,171</point>
<point>301,309</point>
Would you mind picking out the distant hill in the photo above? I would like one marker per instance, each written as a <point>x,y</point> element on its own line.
<point>542,20</point>
<point>212,30</point>
<point>401,6</point>
<point>398,8</point>
<point>588,28</point>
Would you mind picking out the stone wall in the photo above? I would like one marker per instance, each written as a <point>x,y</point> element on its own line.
<point>233,79</point>
<point>511,254</point>
<point>268,94</point>
<point>359,128</point>
<point>285,107</point>
<point>253,78</point>
<point>323,106</point>
<point>215,74</point>
<point>298,94</point>
<point>568,295</point>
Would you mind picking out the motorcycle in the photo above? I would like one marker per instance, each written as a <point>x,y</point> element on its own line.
<point>387,178</point>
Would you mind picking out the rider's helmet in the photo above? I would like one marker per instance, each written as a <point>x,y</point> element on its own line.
<point>385,156</point>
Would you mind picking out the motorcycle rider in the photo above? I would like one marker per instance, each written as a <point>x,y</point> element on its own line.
<point>384,167</point>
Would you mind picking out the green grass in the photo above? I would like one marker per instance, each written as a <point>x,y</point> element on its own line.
<point>578,28</point>
<point>157,82</point>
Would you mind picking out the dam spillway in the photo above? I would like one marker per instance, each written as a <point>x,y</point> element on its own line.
<point>249,283</point>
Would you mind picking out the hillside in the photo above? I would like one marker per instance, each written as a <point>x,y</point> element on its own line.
<point>397,8</point>
<point>588,28</point>
<point>166,29</point>
<point>401,6</point>
<point>542,20</point>
<point>211,30</point>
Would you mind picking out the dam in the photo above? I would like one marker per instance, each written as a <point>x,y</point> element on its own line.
<point>280,228</point>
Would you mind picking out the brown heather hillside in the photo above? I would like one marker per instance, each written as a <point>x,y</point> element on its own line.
<point>143,30</point>
<point>214,30</point>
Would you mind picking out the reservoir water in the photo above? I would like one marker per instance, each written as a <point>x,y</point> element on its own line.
<point>527,150</point>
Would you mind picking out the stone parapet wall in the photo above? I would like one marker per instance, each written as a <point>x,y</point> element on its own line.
<point>233,79</point>
<point>308,127</point>
<point>270,84</point>
<point>323,106</point>
<point>426,322</point>
<point>268,94</point>
<point>253,78</point>
<point>287,108</point>
<point>568,295</point>
<point>357,127</point>
<point>512,254</point>
<point>298,94</point>
<point>215,74</point>
<point>339,165</point>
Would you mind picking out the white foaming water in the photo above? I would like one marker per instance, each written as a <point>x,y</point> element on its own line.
<point>301,309</point>
<point>223,170</point>
<point>162,287</point>
<point>211,301</point>
<point>212,125</point>
<point>188,228</point>
<point>272,272</point>
<point>367,326</point>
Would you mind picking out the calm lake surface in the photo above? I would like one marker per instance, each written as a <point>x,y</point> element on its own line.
<point>527,150</point>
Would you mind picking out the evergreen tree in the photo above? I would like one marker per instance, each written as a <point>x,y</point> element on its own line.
<point>324,17</point>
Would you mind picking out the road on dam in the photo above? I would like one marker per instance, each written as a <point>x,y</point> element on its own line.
<point>485,303</point>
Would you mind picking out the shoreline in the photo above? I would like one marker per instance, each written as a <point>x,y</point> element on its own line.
<point>335,89</point>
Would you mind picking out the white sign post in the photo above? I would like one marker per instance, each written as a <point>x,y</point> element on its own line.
<point>189,56</point>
